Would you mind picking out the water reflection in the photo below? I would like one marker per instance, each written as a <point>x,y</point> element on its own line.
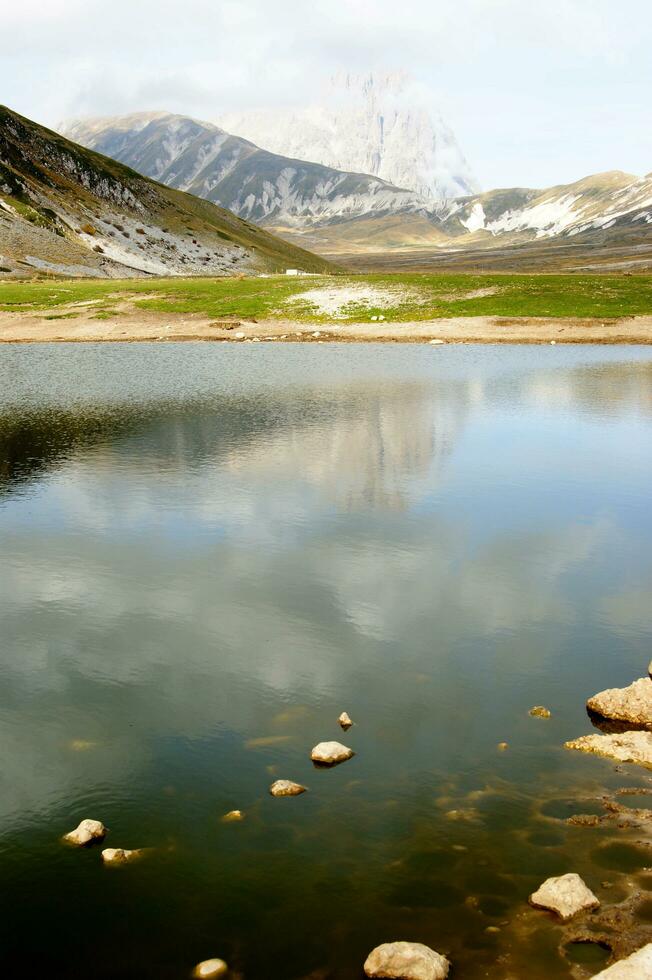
<point>196,579</point>
<point>364,446</point>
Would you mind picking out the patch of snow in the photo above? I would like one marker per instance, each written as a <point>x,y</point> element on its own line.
<point>548,218</point>
<point>476,219</point>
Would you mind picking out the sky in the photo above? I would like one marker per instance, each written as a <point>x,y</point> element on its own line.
<point>537,93</point>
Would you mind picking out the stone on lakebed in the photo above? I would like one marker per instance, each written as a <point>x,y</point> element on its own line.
<point>210,970</point>
<point>118,855</point>
<point>285,787</point>
<point>331,753</point>
<point>406,961</point>
<point>538,711</point>
<point>566,895</point>
<point>87,831</point>
<point>233,816</point>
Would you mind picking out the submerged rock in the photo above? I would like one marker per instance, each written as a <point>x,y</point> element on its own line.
<point>624,747</point>
<point>638,966</point>
<point>406,961</point>
<point>233,816</point>
<point>87,831</point>
<point>345,721</point>
<point>330,753</point>
<point>566,895</point>
<point>210,970</point>
<point>81,745</point>
<point>623,928</point>
<point>631,704</point>
<point>285,787</point>
<point>118,855</point>
<point>538,711</point>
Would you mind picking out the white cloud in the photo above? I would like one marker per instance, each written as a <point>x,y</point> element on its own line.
<point>538,93</point>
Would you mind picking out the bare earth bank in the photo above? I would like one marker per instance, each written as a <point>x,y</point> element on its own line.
<point>147,326</point>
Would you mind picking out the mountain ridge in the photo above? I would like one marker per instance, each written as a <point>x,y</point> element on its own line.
<point>232,172</point>
<point>338,214</point>
<point>599,209</point>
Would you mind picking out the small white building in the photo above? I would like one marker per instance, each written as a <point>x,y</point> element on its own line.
<point>291,272</point>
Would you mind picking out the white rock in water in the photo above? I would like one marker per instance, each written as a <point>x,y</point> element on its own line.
<point>118,855</point>
<point>625,747</point>
<point>632,704</point>
<point>330,753</point>
<point>406,961</point>
<point>87,831</point>
<point>566,895</point>
<point>345,721</point>
<point>436,340</point>
<point>210,970</point>
<point>285,787</point>
<point>638,966</point>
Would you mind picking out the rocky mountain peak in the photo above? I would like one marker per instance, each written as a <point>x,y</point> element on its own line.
<point>380,124</point>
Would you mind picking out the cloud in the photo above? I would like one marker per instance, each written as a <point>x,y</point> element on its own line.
<point>519,82</point>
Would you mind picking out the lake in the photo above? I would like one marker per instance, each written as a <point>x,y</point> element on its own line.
<point>210,551</point>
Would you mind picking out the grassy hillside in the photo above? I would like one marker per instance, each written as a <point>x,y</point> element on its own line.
<point>66,210</point>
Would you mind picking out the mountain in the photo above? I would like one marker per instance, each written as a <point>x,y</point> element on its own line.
<point>270,189</point>
<point>374,124</point>
<point>603,209</point>
<point>601,206</point>
<point>66,210</point>
<point>336,213</point>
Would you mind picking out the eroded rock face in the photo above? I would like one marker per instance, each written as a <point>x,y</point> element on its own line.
<point>330,753</point>
<point>345,721</point>
<point>285,787</point>
<point>631,704</point>
<point>638,966</point>
<point>624,747</point>
<point>118,855</point>
<point>87,831</point>
<point>210,970</point>
<point>406,961</point>
<point>566,895</point>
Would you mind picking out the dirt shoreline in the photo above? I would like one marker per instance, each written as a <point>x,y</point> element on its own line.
<point>146,326</point>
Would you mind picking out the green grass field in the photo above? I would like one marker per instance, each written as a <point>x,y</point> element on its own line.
<point>399,297</point>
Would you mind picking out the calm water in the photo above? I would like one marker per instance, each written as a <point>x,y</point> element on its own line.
<point>208,552</point>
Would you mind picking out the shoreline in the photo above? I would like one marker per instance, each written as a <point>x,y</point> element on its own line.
<point>155,327</point>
